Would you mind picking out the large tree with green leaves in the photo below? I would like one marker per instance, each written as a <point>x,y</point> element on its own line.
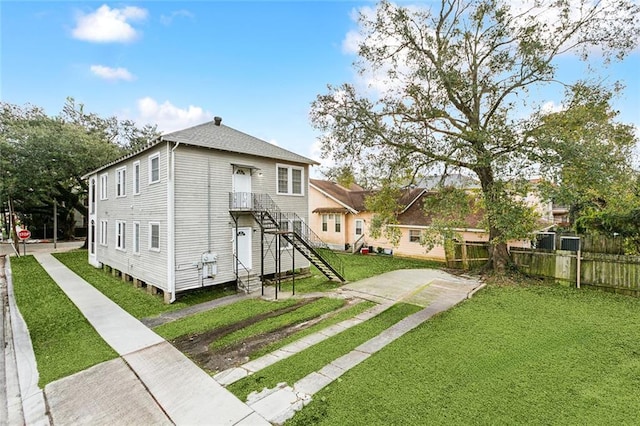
<point>43,158</point>
<point>449,88</point>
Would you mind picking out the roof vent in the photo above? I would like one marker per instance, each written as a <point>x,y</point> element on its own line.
<point>217,120</point>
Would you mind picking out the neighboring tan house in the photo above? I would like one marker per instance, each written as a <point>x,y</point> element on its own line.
<point>203,206</point>
<point>338,215</point>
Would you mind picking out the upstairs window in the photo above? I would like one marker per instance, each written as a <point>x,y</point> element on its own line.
<point>104,189</point>
<point>136,178</point>
<point>154,168</point>
<point>92,191</point>
<point>121,182</point>
<point>290,180</point>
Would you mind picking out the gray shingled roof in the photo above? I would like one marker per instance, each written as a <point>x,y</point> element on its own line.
<point>224,138</point>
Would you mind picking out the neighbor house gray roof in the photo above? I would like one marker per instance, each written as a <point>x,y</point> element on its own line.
<point>224,138</point>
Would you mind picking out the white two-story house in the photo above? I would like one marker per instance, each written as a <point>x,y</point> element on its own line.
<point>202,206</point>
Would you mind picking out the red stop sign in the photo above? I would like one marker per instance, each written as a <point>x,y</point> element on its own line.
<point>24,234</point>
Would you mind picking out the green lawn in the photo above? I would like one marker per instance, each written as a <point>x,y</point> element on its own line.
<point>63,340</point>
<point>303,313</point>
<point>337,317</point>
<point>133,300</point>
<point>317,356</point>
<point>510,355</point>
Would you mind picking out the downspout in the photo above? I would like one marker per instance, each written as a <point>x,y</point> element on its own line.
<point>171,244</point>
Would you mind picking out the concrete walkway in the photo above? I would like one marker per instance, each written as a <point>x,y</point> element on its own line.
<point>151,382</point>
<point>436,290</point>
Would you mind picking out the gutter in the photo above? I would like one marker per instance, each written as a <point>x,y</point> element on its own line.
<point>171,243</point>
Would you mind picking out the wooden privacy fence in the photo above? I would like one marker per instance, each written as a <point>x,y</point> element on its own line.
<point>467,255</point>
<point>615,273</point>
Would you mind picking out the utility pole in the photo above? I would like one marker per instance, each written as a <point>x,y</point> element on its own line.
<point>55,223</point>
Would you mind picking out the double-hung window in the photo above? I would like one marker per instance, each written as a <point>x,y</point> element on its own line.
<point>121,231</point>
<point>290,180</point>
<point>284,226</point>
<point>325,221</point>
<point>121,182</point>
<point>103,232</point>
<point>154,168</point>
<point>136,178</point>
<point>414,235</point>
<point>154,236</point>
<point>136,237</point>
<point>338,223</point>
<point>104,189</point>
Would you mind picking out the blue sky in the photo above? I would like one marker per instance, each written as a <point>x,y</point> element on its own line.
<point>258,65</point>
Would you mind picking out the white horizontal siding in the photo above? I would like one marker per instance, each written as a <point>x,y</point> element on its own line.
<point>149,206</point>
<point>194,167</point>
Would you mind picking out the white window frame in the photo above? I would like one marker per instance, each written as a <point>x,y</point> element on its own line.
<point>104,186</point>
<point>151,158</point>
<point>104,229</point>
<point>325,222</point>
<point>359,226</point>
<point>93,187</point>
<point>412,237</point>
<point>151,247</point>
<point>121,182</point>
<point>282,243</point>
<point>289,169</point>
<point>136,238</point>
<point>136,177</point>
<point>121,235</point>
<point>337,223</point>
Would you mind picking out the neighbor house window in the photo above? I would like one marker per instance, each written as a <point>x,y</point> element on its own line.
<point>325,220</point>
<point>297,227</point>
<point>290,180</point>
<point>136,178</point>
<point>338,223</point>
<point>358,227</point>
<point>103,232</point>
<point>104,189</point>
<point>136,237</point>
<point>121,182</point>
<point>414,235</point>
<point>154,236</point>
<point>121,227</point>
<point>154,168</point>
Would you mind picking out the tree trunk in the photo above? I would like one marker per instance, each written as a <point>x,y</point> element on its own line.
<point>498,254</point>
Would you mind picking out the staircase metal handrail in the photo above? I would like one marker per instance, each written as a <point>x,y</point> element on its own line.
<point>238,261</point>
<point>263,202</point>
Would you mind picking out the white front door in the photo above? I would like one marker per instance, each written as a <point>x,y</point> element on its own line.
<point>242,188</point>
<point>243,238</point>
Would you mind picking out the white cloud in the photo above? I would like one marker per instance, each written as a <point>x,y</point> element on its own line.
<point>182,13</point>
<point>551,107</point>
<point>109,25</point>
<point>169,117</point>
<point>113,74</point>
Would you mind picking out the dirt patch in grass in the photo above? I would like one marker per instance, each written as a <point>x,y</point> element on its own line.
<point>197,346</point>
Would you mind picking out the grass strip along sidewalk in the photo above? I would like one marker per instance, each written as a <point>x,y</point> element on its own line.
<point>510,355</point>
<point>314,358</point>
<point>63,341</point>
<point>133,300</point>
